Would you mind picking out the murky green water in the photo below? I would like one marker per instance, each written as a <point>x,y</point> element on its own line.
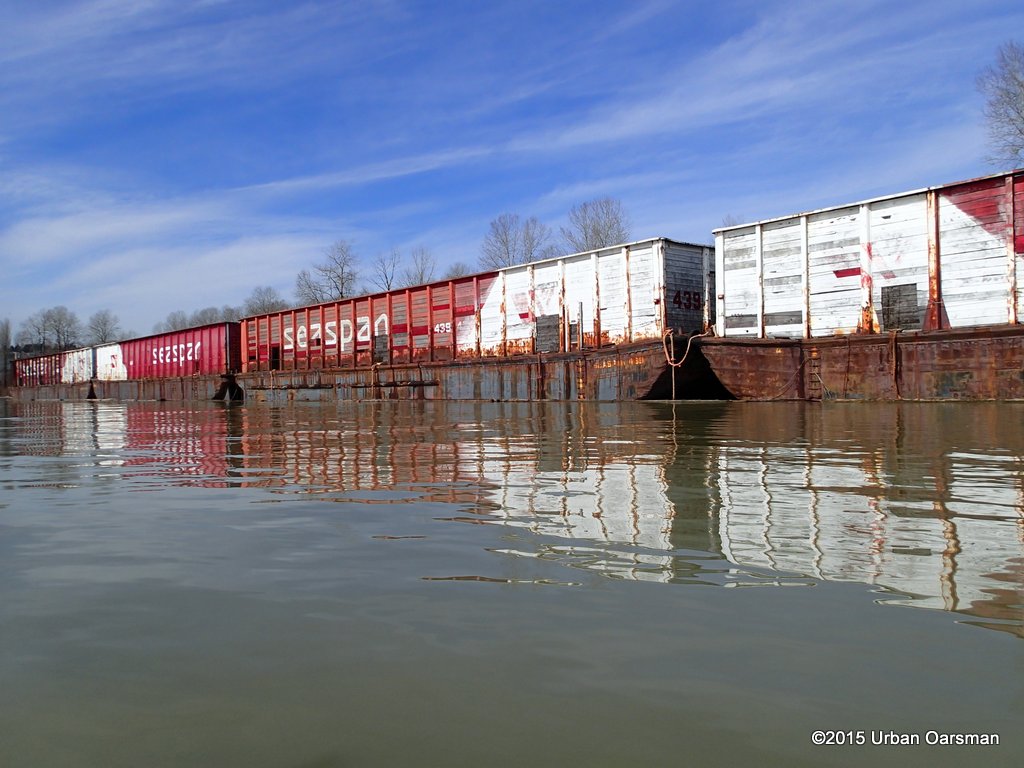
<point>509,584</point>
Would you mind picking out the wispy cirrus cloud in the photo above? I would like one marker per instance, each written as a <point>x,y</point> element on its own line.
<point>150,142</point>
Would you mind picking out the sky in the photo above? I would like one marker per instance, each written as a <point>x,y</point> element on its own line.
<point>162,155</point>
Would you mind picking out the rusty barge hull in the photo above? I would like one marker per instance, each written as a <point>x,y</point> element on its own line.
<point>178,388</point>
<point>969,364</point>
<point>626,372</point>
<point>638,371</point>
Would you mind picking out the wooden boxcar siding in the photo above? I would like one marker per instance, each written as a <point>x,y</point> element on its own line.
<point>782,261</point>
<point>467,326</point>
<point>39,371</point>
<point>110,364</point>
<point>688,291</point>
<point>77,366</point>
<point>834,271</point>
<point>580,295</point>
<point>899,257</point>
<point>648,269</point>
<point>1017,278</point>
<point>202,351</point>
<point>974,220</point>
<point>519,309</point>
<point>70,367</point>
<point>492,314</point>
<point>866,267</point>
<point>738,269</point>
<point>611,293</point>
<point>614,294</point>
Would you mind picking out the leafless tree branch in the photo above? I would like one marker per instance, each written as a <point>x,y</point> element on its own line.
<point>1002,84</point>
<point>596,224</point>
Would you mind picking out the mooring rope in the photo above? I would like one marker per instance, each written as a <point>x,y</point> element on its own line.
<point>689,341</point>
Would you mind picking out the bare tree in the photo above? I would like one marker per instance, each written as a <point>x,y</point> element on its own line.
<point>510,241</point>
<point>230,314</point>
<point>420,268</point>
<point>204,316</point>
<point>103,326</point>
<point>596,224</point>
<point>458,269</point>
<point>332,279</point>
<point>385,269</point>
<point>175,321</point>
<point>536,240</point>
<point>65,326</point>
<point>262,301</point>
<point>1002,84</point>
<point>48,330</point>
<point>34,332</point>
<point>5,351</point>
<point>501,244</point>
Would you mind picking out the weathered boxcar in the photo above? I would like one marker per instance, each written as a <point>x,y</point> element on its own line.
<point>943,257</point>
<point>913,295</point>
<point>627,293</point>
<point>72,366</point>
<point>206,350</point>
<point>39,371</point>
<point>182,364</point>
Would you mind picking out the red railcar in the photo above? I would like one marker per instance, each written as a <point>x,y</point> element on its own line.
<point>206,350</point>
<point>40,371</point>
<point>434,322</point>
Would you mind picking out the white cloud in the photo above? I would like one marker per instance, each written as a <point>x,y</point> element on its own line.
<point>376,133</point>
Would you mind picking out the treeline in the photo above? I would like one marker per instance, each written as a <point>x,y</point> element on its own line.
<point>510,240</point>
<point>58,328</point>
<point>262,300</point>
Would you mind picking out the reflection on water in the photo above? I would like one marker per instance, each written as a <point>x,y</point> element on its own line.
<point>506,584</point>
<point>923,501</point>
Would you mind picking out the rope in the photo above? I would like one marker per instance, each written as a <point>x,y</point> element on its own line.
<point>689,341</point>
<point>792,379</point>
<point>894,365</point>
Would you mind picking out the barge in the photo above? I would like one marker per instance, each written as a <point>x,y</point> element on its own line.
<point>608,324</point>
<point>918,295</point>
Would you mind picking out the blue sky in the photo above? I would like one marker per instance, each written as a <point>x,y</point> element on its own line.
<point>174,154</point>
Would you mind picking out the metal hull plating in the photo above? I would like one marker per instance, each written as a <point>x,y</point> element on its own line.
<point>180,388</point>
<point>625,372</point>
<point>975,364</point>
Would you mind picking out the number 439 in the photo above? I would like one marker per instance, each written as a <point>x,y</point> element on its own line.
<point>687,299</point>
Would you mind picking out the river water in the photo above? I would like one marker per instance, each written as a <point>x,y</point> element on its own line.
<point>509,584</point>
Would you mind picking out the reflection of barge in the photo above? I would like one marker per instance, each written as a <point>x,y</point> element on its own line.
<point>922,501</point>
